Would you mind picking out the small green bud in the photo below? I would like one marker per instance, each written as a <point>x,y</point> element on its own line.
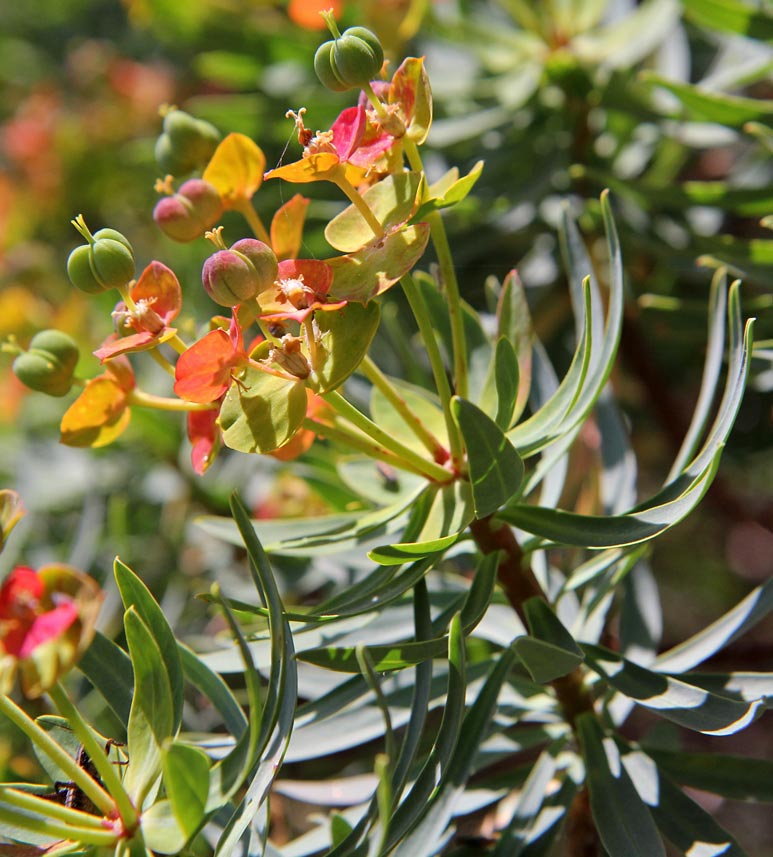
<point>49,364</point>
<point>80,273</point>
<point>323,66</point>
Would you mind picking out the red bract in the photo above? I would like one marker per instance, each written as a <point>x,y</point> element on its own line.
<point>329,155</point>
<point>157,299</point>
<point>46,621</point>
<point>301,287</point>
<point>204,435</point>
<point>204,372</point>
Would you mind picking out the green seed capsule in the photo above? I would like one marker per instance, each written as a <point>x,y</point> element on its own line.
<point>357,56</point>
<point>80,272</point>
<point>49,364</point>
<point>323,66</point>
<point>186,143</point>
<point>105,262</point>
<point>350,60</point>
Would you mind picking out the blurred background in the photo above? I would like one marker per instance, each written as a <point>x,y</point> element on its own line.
<point>667,103</point>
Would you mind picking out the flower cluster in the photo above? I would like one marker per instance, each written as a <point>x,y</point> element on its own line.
<point>296,328</point>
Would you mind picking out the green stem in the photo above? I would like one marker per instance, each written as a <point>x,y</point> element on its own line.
<point>161,403</point>
<point>371,371</point>
<point>57,830</point>
<point>375,102</point>
<point>357,441</point>
<point>10,347</point>
<point>162,361</point>
<point>101,762</point>
<point>50,808</point>
<point>450,282</point>
<point>451,285</point>
<point>348,411</point>
<point>59,756</point>
<point>351,192</point>
<point>247,210</point>
<point>421,314</point>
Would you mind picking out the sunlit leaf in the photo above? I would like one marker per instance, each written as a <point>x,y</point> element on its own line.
<point>98,416</point>
<point>449,192</point>
<point>287,228</point>
<point>345,338</point>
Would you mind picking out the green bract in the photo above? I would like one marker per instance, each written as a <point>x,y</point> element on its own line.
<point>106,262</point>
<point>350,60</point>
<point>49,364</point>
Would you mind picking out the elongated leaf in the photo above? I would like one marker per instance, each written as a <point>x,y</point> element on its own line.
<point>689,827</point>
<point>215,690</point>
<point>744,616</point>
<point>281,693</point>
<point>421,402</point>
<point>107,666</point>
<point>399,655</point>
<point>514,325</point>
<point>595,531</point>
<point>406,551</point>
<point>425,838</point>
<point>703,105</point>
<point>499,393</point>
<point>435,768</point>
<point>685,704</point>
<point>731,16</point>
<point>734,777</point>
<point>186,779</point>
<point>495,468</point>
<point>151,720</point>
<point>622,819</point>
<point>525,821</point>
<point>135,594</point>
<point>550,650</point>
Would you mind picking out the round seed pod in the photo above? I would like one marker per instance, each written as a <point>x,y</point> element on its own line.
<point>237,275</point>
<point>49,364</point>
<point>186,143</point>
<point>186,215</point>
<point>350,60</point>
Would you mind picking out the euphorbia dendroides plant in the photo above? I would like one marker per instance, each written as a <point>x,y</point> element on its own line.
<point>471,642</point>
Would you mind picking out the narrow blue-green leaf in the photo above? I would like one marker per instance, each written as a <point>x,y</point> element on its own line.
<point>135,594</point>
<point>676,700</point>
<point>731,16</point>
<point>499,393</point>
<point>536,432</point>
<point>688,826</point>
<point>151,719</point>
<point>622,819</point>
<point>403,552</point>
<point>425,836</point>
<point>526,815</point>
<point>594,531</point>
<point>435,768</point>
<point>396,656</point>
<point>186,780</point>
<point>495,468</point>
<point>736,622</point>
<point>592,363</point>
<point>281,693</point>
<point>550,650</point>
<point>215,690</point>
<point>109,669</point>
<point>711,369</point>
<point>733,777</point>
<point>514,325</point>
<point>703,105</point>
<point>412,736</point>
<point>746,686</point>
